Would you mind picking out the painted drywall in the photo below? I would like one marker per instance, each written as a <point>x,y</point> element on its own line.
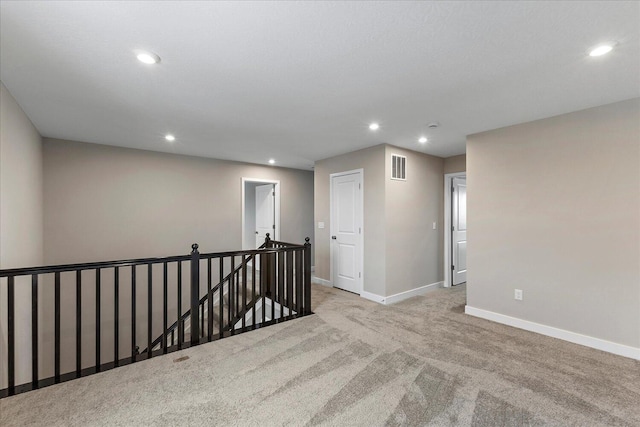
<point>402,251</point>
<point>455,164</point>
<point>105,202</point>
<point>20,223</point>
<point>554,210</point>
<point>413,249</point>
<point>372,161</point>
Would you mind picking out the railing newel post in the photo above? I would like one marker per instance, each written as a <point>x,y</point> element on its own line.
<point>307,276</point>
<point>11,349</point>
<point>195,295</point>
<point>34,331</point>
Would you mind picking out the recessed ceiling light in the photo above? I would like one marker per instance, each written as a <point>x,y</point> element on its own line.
<point>601,50</point>
<point>374,126</point>
<point>170,137</point>
<point>271,161</point>
<point>148,57</point>
<point>422,140</point>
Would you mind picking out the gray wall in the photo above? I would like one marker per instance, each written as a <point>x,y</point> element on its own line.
<point>401,250</point>
<point>372,161</point>
<point>103,202</point>
<point>413,249</point>
<point>554,210</point>
<point>455,164</point>
<point>20,222</point>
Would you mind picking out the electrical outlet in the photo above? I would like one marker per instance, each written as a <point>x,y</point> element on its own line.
<point>518,294</point>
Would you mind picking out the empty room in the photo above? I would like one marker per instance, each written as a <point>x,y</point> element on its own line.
<point>331,213</point>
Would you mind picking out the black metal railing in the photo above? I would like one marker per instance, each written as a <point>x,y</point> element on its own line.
<point>242,290</point>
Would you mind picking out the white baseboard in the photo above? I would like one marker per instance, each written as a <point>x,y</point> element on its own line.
<point>322,282</point>
<point>392,299</point>
<point>372,297</point>
<point>550,331</point>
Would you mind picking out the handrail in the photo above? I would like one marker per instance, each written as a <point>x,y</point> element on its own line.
<point>24,271</point>
<point>88,266</point>
<point>277,242</point>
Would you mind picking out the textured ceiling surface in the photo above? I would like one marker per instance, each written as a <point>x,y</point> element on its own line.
<point>299,82</point>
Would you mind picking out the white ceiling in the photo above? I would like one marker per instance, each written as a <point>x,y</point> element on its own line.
<point>301,81</point>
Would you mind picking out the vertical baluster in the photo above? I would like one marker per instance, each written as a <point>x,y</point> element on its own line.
<point>78,323</point>
<point>149,310</point>
<point>244,290</point>
<point>11,310</point>
<point>280,299</point>
<point>209,302</point>
<point>201,309</point>
<point>165,305</point>
<point>272,284</point>
<point>263,287</point>
<point>290,281</point>
<point>231,294</point>
<point>238,294</point>
<point>253,290</point>
<point>229,302</point>
<point>298,256</point>
<point>134,351</point>
<point>221,297</point>
<point>180,324</point>
<point>56,333</point>
<point>116,316</point>
<point>307,276</point>
<point>34,331</point>
<point>98,291</point>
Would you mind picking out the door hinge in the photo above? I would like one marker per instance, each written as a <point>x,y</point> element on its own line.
<point>274,226</point>
<point>453,189</point>
<point>359,230</point>
<point>453,268</point>
<point>273,193</point>
<point>453,228</point>
<point>359,274</point>
<point>359,186</point>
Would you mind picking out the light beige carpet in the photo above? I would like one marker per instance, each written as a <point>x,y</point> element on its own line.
<point>356,363</point>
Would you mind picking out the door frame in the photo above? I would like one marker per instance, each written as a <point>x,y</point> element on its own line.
<point>276,202</point>
<point>360,259</point>
<point>448,182</point>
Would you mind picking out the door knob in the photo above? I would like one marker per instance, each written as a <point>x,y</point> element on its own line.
<point>334,237</point>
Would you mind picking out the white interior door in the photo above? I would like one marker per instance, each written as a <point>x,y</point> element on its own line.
<point>459,230</point>
<point>346,231</point>
<point>265,213</point>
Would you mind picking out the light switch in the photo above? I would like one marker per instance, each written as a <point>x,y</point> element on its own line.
<point>320,224</point>
<point>434,225</point>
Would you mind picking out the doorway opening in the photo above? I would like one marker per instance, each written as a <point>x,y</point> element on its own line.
<point>455,228</point>
<point>260,211</point>
<point>346,219</point>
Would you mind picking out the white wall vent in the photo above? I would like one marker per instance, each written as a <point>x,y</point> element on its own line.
<point>398,167</point>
